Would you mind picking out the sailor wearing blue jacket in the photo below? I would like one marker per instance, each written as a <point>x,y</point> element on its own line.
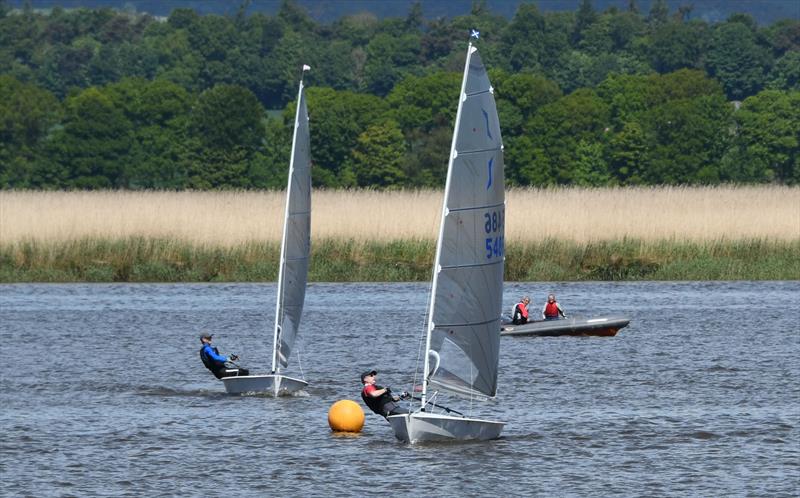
<point>217,362</point>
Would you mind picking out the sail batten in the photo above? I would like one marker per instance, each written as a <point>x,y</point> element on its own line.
<point>476,151</point>
<point>301,258</point>
<point>450,267</point>
<point>466,293</point>
<point>472,94</point>
<point>459,324</point>
<point>473,208</point>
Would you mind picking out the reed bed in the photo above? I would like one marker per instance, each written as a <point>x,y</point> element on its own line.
<point>672,233</point>
<point>229,219</point>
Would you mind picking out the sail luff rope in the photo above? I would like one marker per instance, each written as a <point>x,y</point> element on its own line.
<point>421,341</point>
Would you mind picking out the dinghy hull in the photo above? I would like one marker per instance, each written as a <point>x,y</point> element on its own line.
<point>421,427</point>
<point>602,327</point>
<point>276,385</point>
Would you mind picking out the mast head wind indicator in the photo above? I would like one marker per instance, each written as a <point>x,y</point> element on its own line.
<point>305,68</point>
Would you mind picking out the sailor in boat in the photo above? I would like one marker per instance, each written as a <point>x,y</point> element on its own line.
<point>520,315</point>
<point>552,310</point>
<point>380,399</point>
<point>217,363</point>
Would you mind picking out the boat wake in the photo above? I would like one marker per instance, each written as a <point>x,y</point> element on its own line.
<point>268,394</point>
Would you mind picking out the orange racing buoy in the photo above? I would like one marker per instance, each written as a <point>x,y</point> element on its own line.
<point>346,416</point>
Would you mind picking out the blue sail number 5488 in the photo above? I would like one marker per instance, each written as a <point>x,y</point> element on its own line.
<point>495,246</point>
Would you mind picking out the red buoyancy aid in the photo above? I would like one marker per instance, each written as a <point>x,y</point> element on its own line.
<point>523,309</point>
<point>551,309</point>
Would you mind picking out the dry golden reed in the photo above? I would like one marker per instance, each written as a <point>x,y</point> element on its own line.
<point>226,219</point>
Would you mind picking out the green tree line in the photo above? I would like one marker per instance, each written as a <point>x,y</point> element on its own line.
<point>109,99</point>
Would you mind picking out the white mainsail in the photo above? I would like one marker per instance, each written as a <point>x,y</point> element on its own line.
<point>463,331</point>
<point>466,303</point>
<point>293,268</point>
<point>296,245</point>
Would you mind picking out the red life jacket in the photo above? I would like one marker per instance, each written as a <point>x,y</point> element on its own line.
<point>551,309</point>
<point>520,315</point>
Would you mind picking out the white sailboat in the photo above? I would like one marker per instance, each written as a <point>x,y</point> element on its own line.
<point>293,271</point>
<point>463,330</point>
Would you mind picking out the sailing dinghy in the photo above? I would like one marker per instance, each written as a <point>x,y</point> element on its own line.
<point>293,271</point>
<point>463,324</point>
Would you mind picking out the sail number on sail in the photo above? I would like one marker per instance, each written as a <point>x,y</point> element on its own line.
<point>493,225</point>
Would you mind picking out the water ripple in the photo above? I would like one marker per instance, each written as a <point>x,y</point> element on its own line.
<point>683,402</point>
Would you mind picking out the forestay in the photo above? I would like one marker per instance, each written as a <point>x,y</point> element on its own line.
<point>296,246</point>
<point>464,317</point>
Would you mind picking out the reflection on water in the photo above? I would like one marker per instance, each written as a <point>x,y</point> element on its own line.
<point>104,393</point>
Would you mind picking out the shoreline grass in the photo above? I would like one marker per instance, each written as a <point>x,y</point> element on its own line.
<point>139,259</point>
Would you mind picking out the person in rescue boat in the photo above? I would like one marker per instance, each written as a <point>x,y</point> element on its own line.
<point>380,399</point>
<point>217,362</point>
<point>552,309</point>
<point>520,315</point>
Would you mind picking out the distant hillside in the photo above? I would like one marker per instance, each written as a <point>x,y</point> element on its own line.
<point>764,11</point>
<point>96,98</point>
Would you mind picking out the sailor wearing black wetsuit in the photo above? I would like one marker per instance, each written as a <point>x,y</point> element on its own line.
<point>216,362</point>
<point>379,399</point>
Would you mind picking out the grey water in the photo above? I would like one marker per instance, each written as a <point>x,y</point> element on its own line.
<point>103,394</point>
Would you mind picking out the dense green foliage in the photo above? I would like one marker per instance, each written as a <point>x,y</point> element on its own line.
<point>150,260</point>
<point>108,99</point>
